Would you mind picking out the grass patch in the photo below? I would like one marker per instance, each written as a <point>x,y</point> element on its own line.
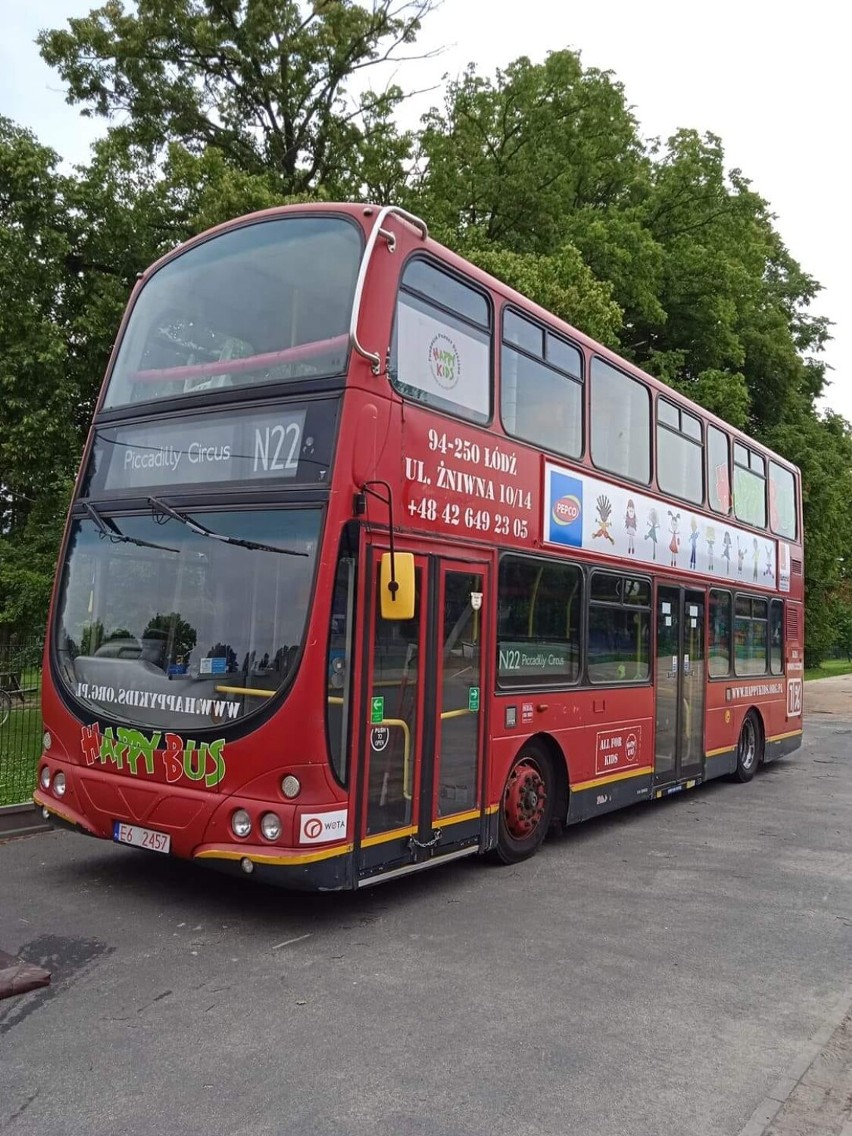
<point>20,749</point>
<point>829,669</point>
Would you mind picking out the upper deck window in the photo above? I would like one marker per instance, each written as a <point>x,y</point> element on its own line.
<point>441,350</point>
<point>749,486</point>
<point>782,501</point>
<point>621,423</point>
<point>268,302</point>
<point>541,388</point>
<point>679,452</point>
<point>718,473</point>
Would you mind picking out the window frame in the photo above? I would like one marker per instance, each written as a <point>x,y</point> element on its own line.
<point>752,600</point>
<point>648,482</point>
<point>725,436</point>
<point>776,604</point>
<point>618,605</point>
<point>555,683</point>
<point>452,410</point>
<point>776,532</point>
<point>729,595</point>
<point>544,361</point>
<point>756,455</point>
<point>107,412</point>
<point>679,432</point>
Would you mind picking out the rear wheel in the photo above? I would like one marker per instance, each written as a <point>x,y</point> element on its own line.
<point>749,748</point>
<point>526,808</point>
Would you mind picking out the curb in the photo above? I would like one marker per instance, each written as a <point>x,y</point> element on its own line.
<point>21,820</point>
<point>771,1104</point>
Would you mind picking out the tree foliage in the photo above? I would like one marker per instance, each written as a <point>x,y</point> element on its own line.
<point>272,85</point>
<point>538,173</point>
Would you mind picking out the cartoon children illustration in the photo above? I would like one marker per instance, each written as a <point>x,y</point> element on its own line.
<point>768,570</point>
<point>741,551</point>
<point>653,527</point>
<point>604,510</point>
<point>674,543</point>
<point>726,551</point>
<point>755,559</point>
<point>630,526</point>
<point>693,540</point>
<point>710,537</point>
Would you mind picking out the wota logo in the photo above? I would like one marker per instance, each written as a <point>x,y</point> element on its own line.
<point>566,510</point>
<point>444,362</point>
<point>124,748</point>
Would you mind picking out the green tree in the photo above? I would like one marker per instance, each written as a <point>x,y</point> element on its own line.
<point>38,441</point>
<point>822,448</point>
<point>269,84</point>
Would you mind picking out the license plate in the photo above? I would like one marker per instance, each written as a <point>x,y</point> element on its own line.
<point>141,837</point>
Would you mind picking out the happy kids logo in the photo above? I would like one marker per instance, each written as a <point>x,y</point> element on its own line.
<point>444,362</point>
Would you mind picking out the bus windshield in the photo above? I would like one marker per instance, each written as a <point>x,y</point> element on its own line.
<point>268,302</point>
<point>184,619</point>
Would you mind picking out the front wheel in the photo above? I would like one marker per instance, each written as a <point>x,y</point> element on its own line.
<point>748,748</point>
<point>526,807</point>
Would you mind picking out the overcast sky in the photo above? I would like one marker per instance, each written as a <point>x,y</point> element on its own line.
<point>770,78</point>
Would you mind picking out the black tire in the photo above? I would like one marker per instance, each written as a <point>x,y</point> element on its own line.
<point>526,807</point>
<point>5,706</point>
<point>749,748</point>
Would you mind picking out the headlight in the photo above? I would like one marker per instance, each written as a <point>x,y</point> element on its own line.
<point>46,739</point>
<point>270,826</point>
<point>241,823</point>
<point>59,784</point>
<point>291,786</point>
<point>44,777</point>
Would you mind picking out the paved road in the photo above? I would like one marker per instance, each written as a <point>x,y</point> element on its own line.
<point>652,973</point>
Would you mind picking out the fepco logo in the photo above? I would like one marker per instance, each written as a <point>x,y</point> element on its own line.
<point>566,510</point>
<point>444,362</point>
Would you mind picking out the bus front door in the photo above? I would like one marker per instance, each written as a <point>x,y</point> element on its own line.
<point>422,734</point>
<point>679,678</point>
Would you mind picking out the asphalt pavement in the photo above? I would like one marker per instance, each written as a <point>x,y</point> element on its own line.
<point>680,968</point>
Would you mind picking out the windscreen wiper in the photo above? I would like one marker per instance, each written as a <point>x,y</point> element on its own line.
<point>109,530</point>
<point>160,507</point>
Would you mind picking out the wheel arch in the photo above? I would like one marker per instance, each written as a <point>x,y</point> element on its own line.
<point>560,773</point>
<point>761,725</point>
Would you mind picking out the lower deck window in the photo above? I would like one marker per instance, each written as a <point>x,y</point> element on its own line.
<point>538,622</point>
<point>750,636</point>
<point>619,629</point>
<point>719,646</point>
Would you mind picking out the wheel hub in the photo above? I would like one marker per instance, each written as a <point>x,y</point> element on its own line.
<point>524,800</point>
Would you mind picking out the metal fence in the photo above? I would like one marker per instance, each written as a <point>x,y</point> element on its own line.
<point>20,720</point>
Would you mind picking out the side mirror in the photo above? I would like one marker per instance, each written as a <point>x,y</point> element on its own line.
<point>396,581</point>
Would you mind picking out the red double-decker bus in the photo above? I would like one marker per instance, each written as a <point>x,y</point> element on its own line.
<point>372,564</point>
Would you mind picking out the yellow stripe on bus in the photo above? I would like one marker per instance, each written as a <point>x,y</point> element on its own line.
<point>384,837</point>
<point>647,769</point>
<point>781,737</point>
<point>457,818</point>
<point>264,858</point>
<point>719,752</point>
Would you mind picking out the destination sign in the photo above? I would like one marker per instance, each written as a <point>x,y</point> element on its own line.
<point>213,448</point>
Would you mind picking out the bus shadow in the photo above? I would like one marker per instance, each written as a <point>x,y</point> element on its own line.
<point>156,886</point>
<point>193,892</point>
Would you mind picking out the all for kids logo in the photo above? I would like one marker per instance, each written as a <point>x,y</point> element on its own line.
<point>564,523</point>
<point>444,362</point>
